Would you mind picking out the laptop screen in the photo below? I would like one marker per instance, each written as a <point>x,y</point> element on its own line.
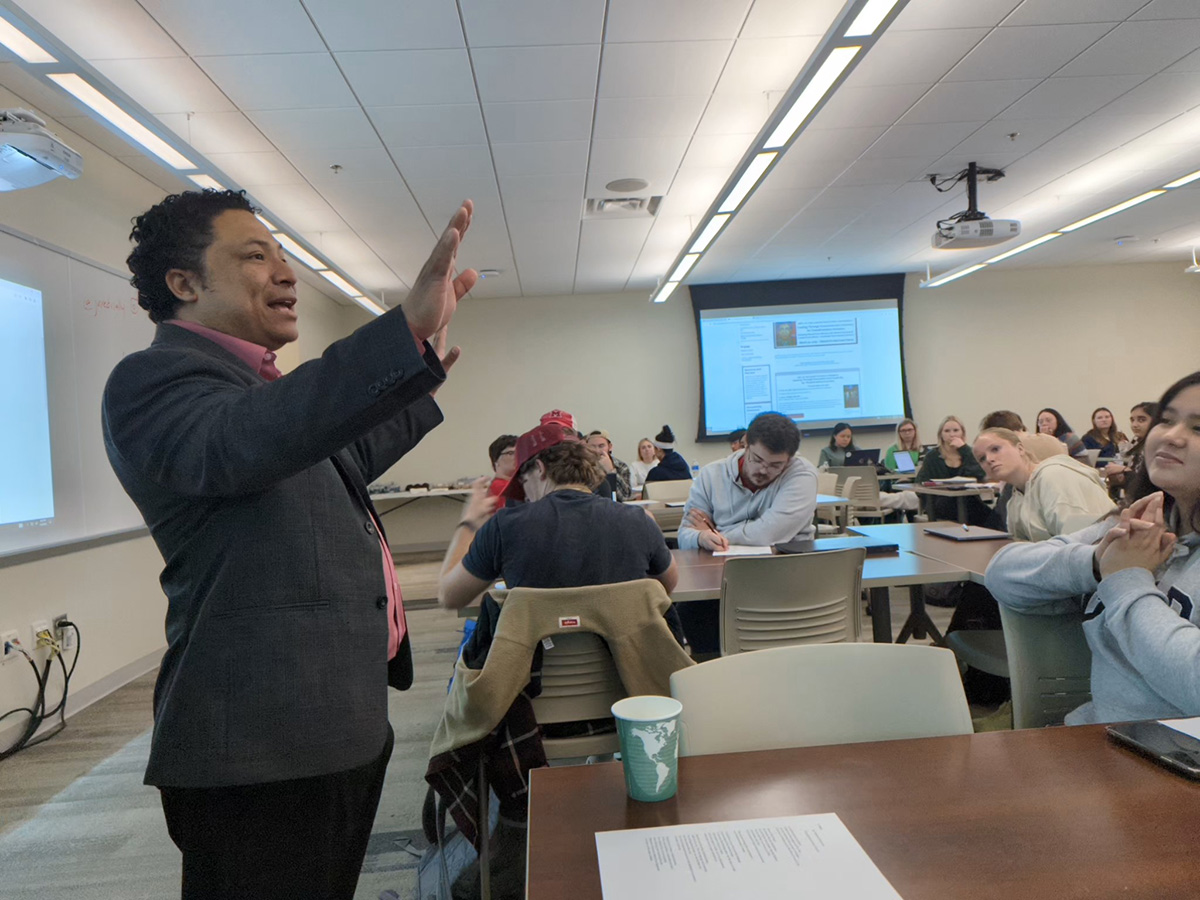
<point>904,461</point>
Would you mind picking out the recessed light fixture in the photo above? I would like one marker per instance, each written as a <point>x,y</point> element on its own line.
<point>951,276</point>
<point>758,166</point>
<point>715,224</point>
<point>813,93</point>
<point>685,266</point>
<point>490,273</point>
<point>22,44</point>
<point>1113,210</point>
<point>627,185</point>
<point>869,18</point>
<point>1028,245</point>
<point>665,291</point>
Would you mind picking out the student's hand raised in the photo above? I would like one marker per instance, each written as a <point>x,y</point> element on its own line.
<point>480,506</point>
<point>430,304</point>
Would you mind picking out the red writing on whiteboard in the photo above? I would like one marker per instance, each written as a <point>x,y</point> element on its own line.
<point>112,308</point>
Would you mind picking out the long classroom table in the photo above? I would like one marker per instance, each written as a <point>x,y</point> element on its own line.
<point>1043,814</point>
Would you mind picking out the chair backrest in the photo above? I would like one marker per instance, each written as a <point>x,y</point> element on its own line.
<point>803,598</point>
<point>817,695</point>
<point>579,683</point>
<point>864,493</point>
<point>1092,456</point>
<point>667,491</point>
<point>1050,665</point>
<point>827,483</point>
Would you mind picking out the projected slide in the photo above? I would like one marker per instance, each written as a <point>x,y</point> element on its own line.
<point>818,363</point>
<point>26,480</point>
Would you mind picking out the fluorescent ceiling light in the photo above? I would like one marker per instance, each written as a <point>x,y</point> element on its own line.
<point>665,291</point>
<point>298,253</point>
<point>369,305</point>
<point>340,283</point>
<point>715,224</point>
<point>73,84</point>
<point>869,17</point>
<point>746,183</point>
<point>685,266</point>
<point>1186,179</point>
<point>21,44</point>
<point>206,181</point>
<point>946,279</point>
<point>1026,246</point>
<point>267,222</point>
<point>1140,198</point>
<point>831,70</point>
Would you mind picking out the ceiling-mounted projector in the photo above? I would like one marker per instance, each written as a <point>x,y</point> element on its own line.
<point>29,154</point>
<point>971,228</point>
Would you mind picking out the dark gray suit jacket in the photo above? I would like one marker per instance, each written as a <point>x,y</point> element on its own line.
<point>256,495</point>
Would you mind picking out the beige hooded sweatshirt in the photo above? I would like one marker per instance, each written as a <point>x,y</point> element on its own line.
<point>1062,496</point>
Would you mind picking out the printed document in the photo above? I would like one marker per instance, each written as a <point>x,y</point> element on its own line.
<point>811,856</point>
<point>743,550</point>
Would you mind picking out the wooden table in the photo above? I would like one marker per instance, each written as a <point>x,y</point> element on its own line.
<point>390,501</point>
<point>700,579</point>
<point>1045,814</point>
<point>670,517</point>
<point>973,556</point>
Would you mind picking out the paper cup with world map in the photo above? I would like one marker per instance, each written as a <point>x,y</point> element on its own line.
<point>649,731</point>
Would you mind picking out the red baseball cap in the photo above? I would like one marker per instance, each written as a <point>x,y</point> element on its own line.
<point>530,444</point>
<point>559,417</point>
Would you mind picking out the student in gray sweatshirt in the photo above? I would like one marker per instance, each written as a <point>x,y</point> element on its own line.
<point>762,495</point>
<point>1136,575</point>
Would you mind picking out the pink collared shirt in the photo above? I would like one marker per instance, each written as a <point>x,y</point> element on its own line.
<point>262,361</point>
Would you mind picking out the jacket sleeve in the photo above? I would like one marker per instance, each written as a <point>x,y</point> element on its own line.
<point>1071,503</point>
<point>792,509</point>
<point>379,449</point>
<point>1047,577</point>
<point>178,418</point>
<point>1155,640</point>
<point>699,497</point>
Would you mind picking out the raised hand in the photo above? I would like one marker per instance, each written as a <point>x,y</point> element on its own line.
<point>480,506</point>
<point>430,304</point>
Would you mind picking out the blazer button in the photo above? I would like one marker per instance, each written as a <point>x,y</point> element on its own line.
<point>370,527</point>
<point>381,602</point>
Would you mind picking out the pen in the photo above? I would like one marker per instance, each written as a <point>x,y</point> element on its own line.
<point>965,528</point>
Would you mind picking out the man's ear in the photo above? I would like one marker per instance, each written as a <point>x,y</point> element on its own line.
<point>184,284</point>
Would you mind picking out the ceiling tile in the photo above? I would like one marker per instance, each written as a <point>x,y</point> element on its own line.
<point>934,15</point>
<point>1055,12</point>
<point>644,117</point>
<point>693,191</point>
<point>279,81</point>
<point>608,250</point>
<point>1080,96</point>
<point>1169,9</point>
<point>221,132</point>
<point>659,181</point>
<point>386,24</point>
<point>523,210</point>
<point>995,137</point>
<point>967,101</point>
<point>736,114</point>
<point>358,164</point>
<point>344,128</point>
<point>758,65</point>
<point>720,151</point>
<point>409,77</point>
<point>104,29</point>
<point>1032,51</point>
<point>677,69</point>
<point>844,144</point>
<point>253,169</point>
<point>879,104</point>
<point>673,20</point>
<point>927,141</point>
<point>888,170</point>
<point>428,126</point>
<point>1138,48</point>
<point>169,85</point>
<point>527,23</point>
<point>783,18</point>
<point>515,74</point>
<point>638,154</point>
<point>519,191</point>
<point>798,172</point>
<point>1168,93</point>
<point>205,29</point>
<point>430,163</point>
<point>547,120</point>
<point>912,57</point>
<point>546,157</point>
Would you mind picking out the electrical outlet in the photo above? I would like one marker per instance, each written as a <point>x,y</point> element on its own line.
<point>66,636</point>
<point>6,637</point>
<point>36,628</point>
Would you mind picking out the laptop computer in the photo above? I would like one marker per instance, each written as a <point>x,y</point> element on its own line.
<point>873,545</point>
<point>862,458</point>
<point>968,533</point>
<point>904,462</point>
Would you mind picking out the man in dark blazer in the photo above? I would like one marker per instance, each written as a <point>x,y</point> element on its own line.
<point>271,731</point>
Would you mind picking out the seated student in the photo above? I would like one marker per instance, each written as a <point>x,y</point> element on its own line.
<point>1140,574</point>
<point>1140,418</point>
<point>1104,434</point>
<point>737,440</point>
<point>503,454</point>
<point>671,466</point>
<point>1003,418</point>
<point>762,495</point>
<point>841,444</point>
<point>906,440</point>
<point>646,461</point>
<point>1051,496</point>
<point>599,441</point>
<point>1050,421</point>
<point>562,536</point>
<point>952,458</point>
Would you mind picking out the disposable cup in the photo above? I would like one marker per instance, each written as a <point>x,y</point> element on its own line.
<point>648,728</point>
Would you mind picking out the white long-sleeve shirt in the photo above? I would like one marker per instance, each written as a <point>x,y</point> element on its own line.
<point>782,511</point>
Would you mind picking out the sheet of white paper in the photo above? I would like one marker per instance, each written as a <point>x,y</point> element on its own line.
<point>639,502</point>
<point>743,550</point>
<point>761,858</point>
<point>1187,726</point>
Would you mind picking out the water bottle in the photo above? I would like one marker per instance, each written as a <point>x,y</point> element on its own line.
<point>695,471</point>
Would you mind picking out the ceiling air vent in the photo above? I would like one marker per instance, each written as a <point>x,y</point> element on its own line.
<point>622,207</point>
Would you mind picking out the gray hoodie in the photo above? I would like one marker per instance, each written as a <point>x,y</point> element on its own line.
<point>1143,628</point>
<point>1061,496</point>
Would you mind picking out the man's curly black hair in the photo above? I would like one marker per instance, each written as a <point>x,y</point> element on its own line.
<point>173,234</point>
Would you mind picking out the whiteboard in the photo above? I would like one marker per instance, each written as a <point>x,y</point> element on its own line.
<point>92,320</point>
